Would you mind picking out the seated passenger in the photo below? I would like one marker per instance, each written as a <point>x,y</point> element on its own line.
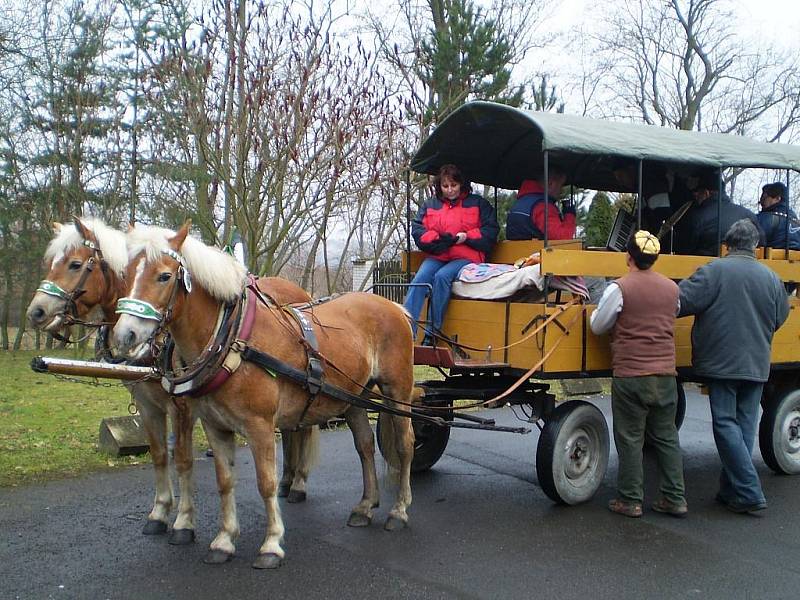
<point>696,232</point>
<point>454,228</point>
<point>657,188</point>
<point>772,218</point>
<point>526,217</point>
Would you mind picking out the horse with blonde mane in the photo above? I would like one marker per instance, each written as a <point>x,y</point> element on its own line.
<point>85,265</point>
<point>178,283</point>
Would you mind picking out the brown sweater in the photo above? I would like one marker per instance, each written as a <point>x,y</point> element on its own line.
<point>643,341</point>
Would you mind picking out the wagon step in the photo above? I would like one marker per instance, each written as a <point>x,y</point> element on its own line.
<point>441,356</point>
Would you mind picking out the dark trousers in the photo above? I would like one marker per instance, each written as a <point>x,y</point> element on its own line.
<point>647,405</point>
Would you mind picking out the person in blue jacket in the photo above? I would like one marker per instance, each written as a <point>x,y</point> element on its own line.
<point>775,211</point>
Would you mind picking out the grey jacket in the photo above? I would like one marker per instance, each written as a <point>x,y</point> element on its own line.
<point>738,303</point>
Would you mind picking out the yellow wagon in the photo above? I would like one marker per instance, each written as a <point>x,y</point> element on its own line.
<point>505,342</point>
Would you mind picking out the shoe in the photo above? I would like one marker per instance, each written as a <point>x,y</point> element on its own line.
<point>741,509</point>
<point>210,453</point>
<point>670,508</point>
<point>628,509</point>
<point>427,341</point>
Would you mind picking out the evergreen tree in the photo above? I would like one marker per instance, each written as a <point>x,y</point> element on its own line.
<point>465,56</point>
<point>599,220</point>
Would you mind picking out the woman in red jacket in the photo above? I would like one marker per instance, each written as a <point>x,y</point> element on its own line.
<point>454,228</point>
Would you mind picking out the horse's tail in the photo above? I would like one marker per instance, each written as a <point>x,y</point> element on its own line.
<point>389,445</point>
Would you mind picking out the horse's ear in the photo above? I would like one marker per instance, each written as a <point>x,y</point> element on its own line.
<point>177,241</point>
<point>83,230</point>
<point>57,227</point>
<point>131,227</point>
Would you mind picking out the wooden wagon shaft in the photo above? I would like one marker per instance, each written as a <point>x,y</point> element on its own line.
<point>83,368</point>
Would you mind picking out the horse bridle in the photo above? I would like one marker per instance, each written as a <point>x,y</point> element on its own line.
<point>69,311</point>
<point>144,310</point>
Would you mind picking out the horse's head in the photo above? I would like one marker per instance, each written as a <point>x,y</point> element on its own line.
<point>80,277</point>
<point>158,281</point>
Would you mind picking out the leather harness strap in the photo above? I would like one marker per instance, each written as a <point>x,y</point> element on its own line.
<point>314,371</point>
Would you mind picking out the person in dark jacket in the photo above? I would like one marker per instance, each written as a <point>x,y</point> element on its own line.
<point>526,218</point>
<point>738,305</point>
<point>696,232</point>
<point>775,211</point>
<point>453,229</point>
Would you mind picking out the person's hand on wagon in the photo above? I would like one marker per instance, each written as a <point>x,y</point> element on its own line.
<point>461,237</point>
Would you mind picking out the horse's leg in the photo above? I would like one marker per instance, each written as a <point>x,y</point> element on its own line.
<point>183,424</point>
<point>401,444</point>
<point>261,438</point>
<point>288,443</point>
<point>364,441</point>
<point>222,442</point>
<point>154,419</point>
<point>304,451</point>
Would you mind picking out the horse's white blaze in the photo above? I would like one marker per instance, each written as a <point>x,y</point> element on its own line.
<point>137,278</point>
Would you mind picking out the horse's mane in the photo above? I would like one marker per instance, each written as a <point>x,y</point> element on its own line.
<point>112,244</point>
<point>220,274</point>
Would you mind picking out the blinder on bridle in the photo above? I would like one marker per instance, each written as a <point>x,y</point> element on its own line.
<point>70,309</point>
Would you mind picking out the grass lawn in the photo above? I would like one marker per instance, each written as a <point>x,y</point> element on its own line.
<point>49,427</point>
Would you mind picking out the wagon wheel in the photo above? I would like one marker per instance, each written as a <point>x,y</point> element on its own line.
<point>430,442</point>
<point>572,455</point>
<point>779,433</point>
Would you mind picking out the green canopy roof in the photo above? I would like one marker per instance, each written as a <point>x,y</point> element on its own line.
<point>500,145</point>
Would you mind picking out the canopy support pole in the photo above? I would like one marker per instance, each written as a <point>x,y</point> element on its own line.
<point>546,198</point>
<point>719,213</point>
<point>640,198</point>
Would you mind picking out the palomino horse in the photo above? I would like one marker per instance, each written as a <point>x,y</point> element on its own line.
<point>86,264</point>
<point>178,283</point>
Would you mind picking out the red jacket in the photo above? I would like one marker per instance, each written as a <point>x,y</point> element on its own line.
<point>559,227</point>
<point>470,213</point>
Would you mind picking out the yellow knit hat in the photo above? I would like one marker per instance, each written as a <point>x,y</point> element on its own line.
<point>647,242</point>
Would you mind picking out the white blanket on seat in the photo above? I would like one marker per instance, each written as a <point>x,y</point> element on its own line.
<point>502,285</point>
<point>505,284</point>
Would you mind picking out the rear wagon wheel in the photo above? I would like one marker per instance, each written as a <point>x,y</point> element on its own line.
<point>779,433</point>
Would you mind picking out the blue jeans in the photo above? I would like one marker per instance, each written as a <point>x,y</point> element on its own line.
<point>441,275</point>
<point>734,415</point>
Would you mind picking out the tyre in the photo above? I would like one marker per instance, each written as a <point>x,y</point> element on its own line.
<point>430,442</point>
<point>572,455</point>
<point>779,433</point>
<point>680,412</point>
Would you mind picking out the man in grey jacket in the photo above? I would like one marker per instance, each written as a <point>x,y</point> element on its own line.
<point>739,304</point>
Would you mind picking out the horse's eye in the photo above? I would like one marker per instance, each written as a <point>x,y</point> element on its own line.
<point>164,277</point>
<point>75,265</point>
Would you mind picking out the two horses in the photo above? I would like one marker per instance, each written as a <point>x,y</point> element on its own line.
<point>175,282</point>
<point>86,264</point>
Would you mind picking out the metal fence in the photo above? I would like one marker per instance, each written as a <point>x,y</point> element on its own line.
<point>389,280</point>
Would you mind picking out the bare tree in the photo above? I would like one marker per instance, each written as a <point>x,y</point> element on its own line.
<point>679,63</point>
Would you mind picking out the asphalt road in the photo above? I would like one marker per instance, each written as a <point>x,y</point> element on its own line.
<point>480,528</point>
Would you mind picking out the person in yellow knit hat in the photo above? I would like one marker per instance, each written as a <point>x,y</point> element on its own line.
<point>639,310</point>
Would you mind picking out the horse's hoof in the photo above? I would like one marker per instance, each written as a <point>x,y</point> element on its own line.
<point>296,497</point>
<point>267,561</point>
<point>217,557</point>
<point>181,537</point>
<point>153,527</point>
<point>393,524</point>
<point>283,490</point>
<point>358,520</point>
